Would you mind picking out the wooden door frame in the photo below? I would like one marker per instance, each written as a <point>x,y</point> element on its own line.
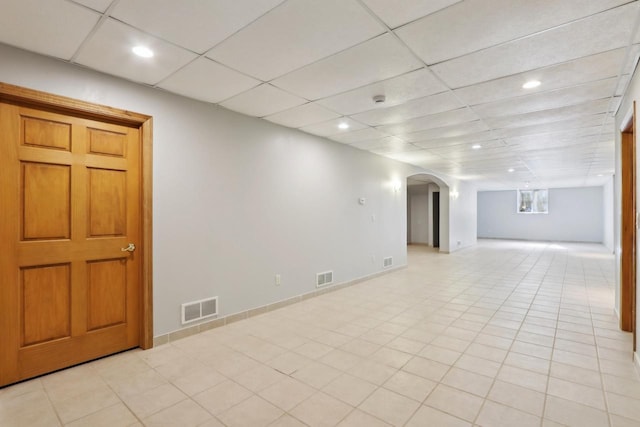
<point>628,233</point>
<point>60,104</point>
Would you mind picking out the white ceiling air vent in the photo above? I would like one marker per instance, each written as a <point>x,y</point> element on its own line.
<point>387,262</point>
<point>324,279</point>
<point>198,310</point>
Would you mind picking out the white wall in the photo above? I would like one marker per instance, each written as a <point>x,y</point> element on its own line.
<point>238,199</point>
<point>419,213</point>
<point>608,214</point>
<point>575,215</point>
<point>463,208</point>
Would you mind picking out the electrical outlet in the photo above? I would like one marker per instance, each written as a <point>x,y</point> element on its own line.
<point>278,280</point>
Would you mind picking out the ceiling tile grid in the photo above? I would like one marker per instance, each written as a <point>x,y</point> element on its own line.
<point>450,72</point>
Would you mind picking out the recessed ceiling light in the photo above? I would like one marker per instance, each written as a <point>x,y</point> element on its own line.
<point>511,169</point>
<point>343,125</point>
<point>476,146</point>
<point>142,51</point>
<point>600,174</point>
<point>531,84</point>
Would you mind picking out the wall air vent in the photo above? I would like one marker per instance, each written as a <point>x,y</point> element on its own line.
<point>198,310</point>
<point>324,279</point>
<point>387,262</point>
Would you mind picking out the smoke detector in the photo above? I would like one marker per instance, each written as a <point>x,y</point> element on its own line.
<point>379,99</point>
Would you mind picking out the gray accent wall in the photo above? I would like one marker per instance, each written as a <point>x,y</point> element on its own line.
<point>575,215</point>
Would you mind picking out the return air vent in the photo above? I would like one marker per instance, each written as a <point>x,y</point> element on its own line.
<point>198,310</point>
<point>324,279</point>
<point>387,262</point>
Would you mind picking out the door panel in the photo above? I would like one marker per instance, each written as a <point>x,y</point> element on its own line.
<point>69,293</point>
<point>107,202</point>
<point>46,304</point>
<point>46,133</point>
<point>46,199</point>
<point>107,143</point>
<point>106,293</point>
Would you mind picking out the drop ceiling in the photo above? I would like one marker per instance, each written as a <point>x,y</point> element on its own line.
<point>451,72</point>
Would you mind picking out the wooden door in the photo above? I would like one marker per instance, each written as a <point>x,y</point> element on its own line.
<point>436,219</point>
<point>628,227</point>
<point>70,203</point>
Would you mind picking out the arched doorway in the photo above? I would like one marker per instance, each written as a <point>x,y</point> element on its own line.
<point>428,211</point>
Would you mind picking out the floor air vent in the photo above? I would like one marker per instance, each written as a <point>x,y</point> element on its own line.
<point>387,262</point>
<point>198,310</point>
<point>324,279</point>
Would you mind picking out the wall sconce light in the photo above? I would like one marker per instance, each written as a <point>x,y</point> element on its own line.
<point>396,185</point>
<point>454,195</point>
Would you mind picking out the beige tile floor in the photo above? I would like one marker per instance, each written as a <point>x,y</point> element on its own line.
<point>502,334</point>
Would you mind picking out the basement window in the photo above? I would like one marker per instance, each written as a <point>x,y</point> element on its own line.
<point>533,201</point>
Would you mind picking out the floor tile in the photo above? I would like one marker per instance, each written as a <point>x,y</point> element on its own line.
<point>468,381</point>
<point>624,406</point>
<point>287,393</point>
<point>427,416</point>
<point>579,393</point>
<point>440,354</point>
<point>410,385</point>
<point>154,400</point>
<point>358,418</point>
<point>287,421</point>
<point>321,410</point>
<point>455,402</point>
<point>497,415</point>
<point>523,378</point>
<point>573,414</point>
<point>222,396</point>
<point>254,411</point>
<point>113,416</point>
<point>259,378</point>
<point>390,407</point>
<point>350,389</point>
<point>517,397</point>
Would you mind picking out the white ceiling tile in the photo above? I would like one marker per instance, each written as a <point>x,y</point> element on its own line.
<point>99,5</point>
<point>377,142</point>
<point>437,142</point>
<point>386,150</point>
<point>295,34</point>
<point>207,81</point>
<point>262,101</point>
<point>330,128</point>
<point>599,33</point>
<point>395,14</point>
<point>303,115</point>
<point>54,27</point>
<point>432,121</point>
<point>584,70</point>
<point>458,35</point>
<point>424,159</point>
<point>194,24</point>
<point>446,132</point>
<point>397,90</point>
<point>359,135</point>
<point>109,50</point>
<point>378,59</point>
<point>551,115</point>
<point>415,108</point>
<point>563,125</point>
<point>548,100</point>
